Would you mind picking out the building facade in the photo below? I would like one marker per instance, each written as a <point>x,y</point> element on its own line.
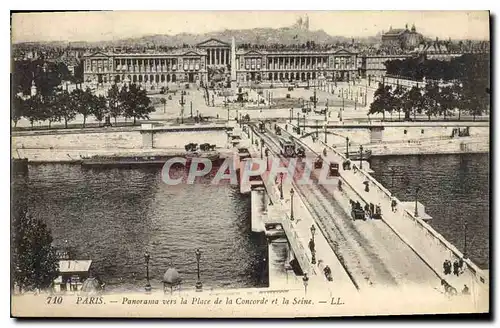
<point>300,66</point>
<point>402,38</point>
<point>374,65</point>
<point>209,60</point>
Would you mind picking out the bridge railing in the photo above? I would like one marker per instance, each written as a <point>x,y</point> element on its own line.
<point>428,230</point>
<point>300,252</point>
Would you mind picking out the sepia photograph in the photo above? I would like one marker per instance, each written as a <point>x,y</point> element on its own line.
<point>249,164</point>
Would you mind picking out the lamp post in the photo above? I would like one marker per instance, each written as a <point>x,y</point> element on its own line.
<point>291,204</point>
<point>182,102</point>
<point>281,185</point>
<point>314,99</point>
<point>261,145</point>
<point>199,285</point>
<point>291,115</point>
<point>361,156</point>
<point>326,125</point>
<point>347,147</point>
<point>147,257</point>
<point>417,189</point>
<point>305,280</point>
<point>313,231</point>
<point>304,126</point>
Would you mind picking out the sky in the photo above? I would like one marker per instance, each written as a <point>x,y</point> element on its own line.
<point>101,26</point>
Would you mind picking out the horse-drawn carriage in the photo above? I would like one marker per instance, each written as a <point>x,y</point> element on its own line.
<point>191,146</point>
<point>357,212</point>
<point>300,152</point>
<point>207,147</point>
<point>262,127</point>
<point>277,130</point>
<point>318,163</point>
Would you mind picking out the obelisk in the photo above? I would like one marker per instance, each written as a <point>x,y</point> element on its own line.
<point>233,63</point>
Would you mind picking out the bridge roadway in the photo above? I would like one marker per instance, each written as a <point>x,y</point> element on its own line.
<point>371,253</point>
<point>428,244</point>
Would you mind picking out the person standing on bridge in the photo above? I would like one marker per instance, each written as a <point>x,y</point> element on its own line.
<point>394,204</point>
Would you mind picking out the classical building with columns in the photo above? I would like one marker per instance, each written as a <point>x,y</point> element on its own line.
<point>297,65</point>
<point>196,64</point>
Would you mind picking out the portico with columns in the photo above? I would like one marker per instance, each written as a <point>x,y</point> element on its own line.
<point>193,65</point>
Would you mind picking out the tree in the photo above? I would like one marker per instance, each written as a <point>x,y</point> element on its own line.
<point>398,99</point>
<point>135,103</point>
<point>115,109</point>
<point>382,100</point>
<point>81,102</point>
<point>460,101</point>
<point>414,102</point>
<point>447,100</point>
<point>100,108</point>
<point>48,110</point>
<point>18,109</point>
<point>126,101</point>
<point>64,107</point>
<point>34,260</point>
<point>33,108</point>
<point>432,100</point>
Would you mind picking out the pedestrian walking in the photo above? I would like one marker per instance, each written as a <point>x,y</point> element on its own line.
<point>393,204</point>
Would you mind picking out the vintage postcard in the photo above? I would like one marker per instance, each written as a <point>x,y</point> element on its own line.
<point>250,164</point>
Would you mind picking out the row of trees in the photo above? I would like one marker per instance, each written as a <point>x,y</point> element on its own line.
<point>46,75</point>
<point>432,100</point>
<point>466,67</point>
<point>128,102</point>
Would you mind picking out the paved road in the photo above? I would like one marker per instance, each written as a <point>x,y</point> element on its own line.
<point>372,253</point>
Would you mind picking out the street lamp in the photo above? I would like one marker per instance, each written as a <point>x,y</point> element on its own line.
<point>281,185</point>
<point>182,102</point>
<point>198,285</point>
<point>291,115</point>
<point>417,189</point>
<point>261,145</point>
<point>361,156</point>
<point>326,125</point>
<point>347,147</point>
<point>305,280</point>
<point>291,204</point>
<point>313,231</point>
<point>147,257</point>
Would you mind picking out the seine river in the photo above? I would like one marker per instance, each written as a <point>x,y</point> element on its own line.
<point>454,190</point>
<point>113,216</point>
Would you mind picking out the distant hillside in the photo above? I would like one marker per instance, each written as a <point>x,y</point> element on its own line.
<point>286,35</point>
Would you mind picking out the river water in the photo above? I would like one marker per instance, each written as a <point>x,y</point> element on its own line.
<point>113,216</point>
<point>454,190</point>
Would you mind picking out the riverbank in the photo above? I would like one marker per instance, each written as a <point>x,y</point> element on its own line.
<point>75,156</point>
<point>462,145</point>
